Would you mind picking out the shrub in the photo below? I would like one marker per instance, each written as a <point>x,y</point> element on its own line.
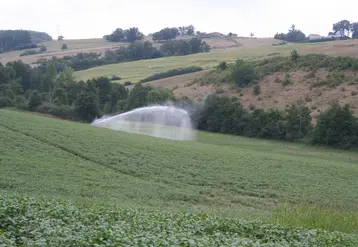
<point>5,102</point>
<point>64,47</point>
<point>256,90</point>
<point>244,73</point>
<point>35,100</point>
<point>294,56</point>
<point>336,126</point>
<point>128,83</point>
<point>173,72</point>
<point>115,78</point>
<point>28,52</point>
<point>222,66</point>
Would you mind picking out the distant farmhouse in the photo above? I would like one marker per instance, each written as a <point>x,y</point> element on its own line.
<point>315,37</point>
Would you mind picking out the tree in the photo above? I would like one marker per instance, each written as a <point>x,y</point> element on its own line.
<point>133,34</point>
<point>244,73</point>
<point>87,106</point>
<point>354,30</point>
<point>293,35</point>
<point>60,38</point>
<point>336,126</point>
<point>342,27</point>
<point>190,30</point>
<point>64,47</point>
<point>116,36</point>
<point>43,49</point>
<point>35,100</point>
<point>252,35</point>
<point>294,56</point>
<point>298,121</point>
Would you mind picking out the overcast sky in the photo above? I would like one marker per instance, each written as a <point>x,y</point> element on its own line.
<point>95,18</point>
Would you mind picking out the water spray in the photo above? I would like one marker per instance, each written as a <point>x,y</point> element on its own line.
<point>159,121</point>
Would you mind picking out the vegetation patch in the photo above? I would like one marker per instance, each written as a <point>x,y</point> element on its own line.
<point>58,223</point>
<point>173,72</point>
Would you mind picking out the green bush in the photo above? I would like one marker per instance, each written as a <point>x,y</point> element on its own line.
<point>244,73</point>
<point>256,90</point>
<point>173,72</point>
<point>337,127</point>
<point>5,102</point>
<point>28,52</point>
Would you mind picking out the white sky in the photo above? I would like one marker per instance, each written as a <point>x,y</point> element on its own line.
<point>95,18</point>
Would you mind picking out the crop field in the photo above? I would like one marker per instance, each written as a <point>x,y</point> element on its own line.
<point>58,223</point>
<point>135,71</point>
<point>54,49</point>
<point>104,173</point>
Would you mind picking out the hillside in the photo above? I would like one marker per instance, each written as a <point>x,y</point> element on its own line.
<point>148,182</point>
<point>101,45</point>
<point>316,87</point>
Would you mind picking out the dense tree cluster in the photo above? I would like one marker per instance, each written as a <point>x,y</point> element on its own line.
<point>46,90</point>
<point>345,28</point>
<point>128,35</point>
<point>184,47</point>
<point>166,34</point>
<point>293,35</point>
<point>15,40</point>
<point>132,52</point>
<point>21,39</point>
<point>335,127</point>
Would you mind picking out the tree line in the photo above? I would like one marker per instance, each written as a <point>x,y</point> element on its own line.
<point>49,91</point>
<point>21,39</point>
<point>343,29</point>
<point>132,52</point>
<point>336,126</point>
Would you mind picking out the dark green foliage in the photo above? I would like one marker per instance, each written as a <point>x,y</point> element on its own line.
<point>38,37</point>
<point>294,56</point>
<point>227,115</point>
<point>64,47</point>
<point>322,40</point>
<point>15,40</point>
<point>184,47</point>
<point>28,52</point>
<point>166,34</point>
<point>129,35</point>
<point>173,72</point>
<point>116,78</point>
<point>244,73</point>
<point>222,66</point>
<point>293,35</point>
<point>336,127</point>
<point>87,106</point>
<point>32,52</point>
<point>35,100</point>
<point>144,95</point>
<point>354,30</point>
<point>43,49</point>
<point>342,27</point>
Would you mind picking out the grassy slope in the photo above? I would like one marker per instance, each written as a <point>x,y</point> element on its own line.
<point>54,49</point>
<point>135,71</point>
<point>78,161</point>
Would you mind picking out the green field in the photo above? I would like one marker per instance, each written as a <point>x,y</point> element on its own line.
<point>217,174</point>
<point>137,70</point>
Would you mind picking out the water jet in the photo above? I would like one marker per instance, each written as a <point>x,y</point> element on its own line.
<point>159,121</point>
